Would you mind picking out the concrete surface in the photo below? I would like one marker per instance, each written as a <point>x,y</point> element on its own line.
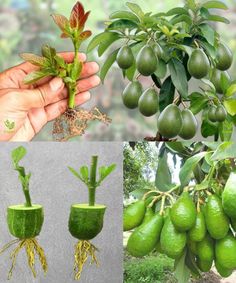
<point>53,186</point>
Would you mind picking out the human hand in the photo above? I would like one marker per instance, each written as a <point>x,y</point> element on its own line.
<point>24,109</point>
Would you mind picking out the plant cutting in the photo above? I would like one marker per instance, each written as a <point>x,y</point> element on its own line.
<point>74,121</point>
<point>170,48</point>
<point>25,221</point>
<point>86,219</point>
<point>192,221</point>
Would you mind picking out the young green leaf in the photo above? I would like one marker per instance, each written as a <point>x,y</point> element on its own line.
<point>135,8</point>
<point>17,154</point>
<point>124,15</point>
<point>226,130</point>
<point>231,90</point>
<point>230,105</point>
<point>224,150</point>
<point>104,171</point>
<point>111,38</point>
<point>179,77</point>
<point>49,52</point>
<point>122,25</point>
<point>102,37</point>
<point>181,18</point>
<point>84,173</point>
<point>217,18</point>
<point>163,180</point>
<point>177,11</point>
<point>34,59</point>
<point>36,76</point>
<point>76,174</point>
<point>208,32</point>
<point>60,61</point>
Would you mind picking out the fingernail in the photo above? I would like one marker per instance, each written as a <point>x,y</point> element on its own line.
<point>55,84</point>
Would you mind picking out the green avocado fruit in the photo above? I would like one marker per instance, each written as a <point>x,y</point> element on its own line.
<point>183,213</point>
<point>216,77</point>
<point>229,196</point>
<point>148,215</point>
<point>131,94</point>
<point>204,266</point>
<point>189,125</point>
<point>225,251</point>
<point>205,249</point>
<point>212,113</point>
<point>125,57</point>
<point>224,57</point>
<point>148,103</point>
<point>172,241</point>
<point>158,50</point>
<point>217,222</point>
<point>146,61</point>
<point>145,237</point>
<point>221,113</point>
<point>224,272</point>
<point>198,232</point>
<point>133,215</point>
<point>233,224</point>
<point>170,121</point>
<point>198,64</point>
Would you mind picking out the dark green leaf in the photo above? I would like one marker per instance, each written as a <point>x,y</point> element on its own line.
<point>180,19</point>
<point>198,101</point>
<point>208,32</point>
<point>166,93</point>
<point>107,64</point>
<point>179,77</point>
<point>122,25</point>
<point>225,150</point>
<point>135,8</point>
<point>98,39</point>
<point>208,128</point>
<point>124,15</point>
<point>187,169</point>
<point>191,263</point>
<point>156,80</point>
<point>215,5</point>
<point>161,69</point>
<point>163,179</point>
<point>177,11</point>
<point>113,36</point>
<point>216,18</point>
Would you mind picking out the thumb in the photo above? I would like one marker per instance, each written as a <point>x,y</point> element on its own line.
<point>44,94</point>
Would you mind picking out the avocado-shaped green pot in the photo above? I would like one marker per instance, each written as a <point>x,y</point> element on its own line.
<point>86,222</point>
<point>25,222</point>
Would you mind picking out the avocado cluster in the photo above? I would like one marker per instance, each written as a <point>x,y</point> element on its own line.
<point>173,122</point>
<point>207,230</point>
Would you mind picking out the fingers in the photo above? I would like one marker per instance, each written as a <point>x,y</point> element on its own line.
<point>56,109</point>
<point>89,69</point>
<point>88,83</point>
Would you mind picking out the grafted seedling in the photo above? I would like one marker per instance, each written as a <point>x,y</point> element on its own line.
<point>86,219</point>
<point>74,121</point>
<point>25,221</point>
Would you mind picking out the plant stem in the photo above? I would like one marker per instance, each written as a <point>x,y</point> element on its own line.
<point>27,197</point>
<point>92,183</point>
<point>71,90</point>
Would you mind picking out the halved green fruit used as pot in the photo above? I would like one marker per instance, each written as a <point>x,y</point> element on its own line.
<point>86,222</point>
<point>145,237</point>
<point>25,222</point>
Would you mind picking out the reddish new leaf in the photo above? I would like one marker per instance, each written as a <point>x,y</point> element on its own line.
<point>64,35</point>
<point>83,20</point>
<point>85,34</point>
<point>61,21</point>
<point>34,59</point>
<point>76,14</point>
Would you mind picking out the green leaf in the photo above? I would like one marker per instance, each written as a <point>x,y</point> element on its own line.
<point>182,272</point>
<point>209,83</point>
<point>113,36</point>
<point>215,5</point>
<point>163,179</point>
<point>187,169</point>
<point>208,32</point>
<point>226,130</point>
<point>76,70</point>
<point>60,61</point>
<point>191,263</point>
<point>105,171</point>
<point>138,193</point>
<point>225,150</point>
<point>208,128</point>
<point>34,59</point>
<point>216,18</point>
<point>230,105</point>
<point>161,69</point>
<point>208,48</point>
<point>35,76</point>
<point>84,172</point>
<point>136,9</point>
<point>17,154</point>
<point>75,173</point>
<point>122,25</point>
<point>107,64</point>
<point>176,11</point>
<point>231,90</point>
<point>167,93</point>
<point>96,40</point>
<point>124,15</point>
<point>180,19</point>
<point>49,52</point>
<point>197,102</point>
<point>179,77</point>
